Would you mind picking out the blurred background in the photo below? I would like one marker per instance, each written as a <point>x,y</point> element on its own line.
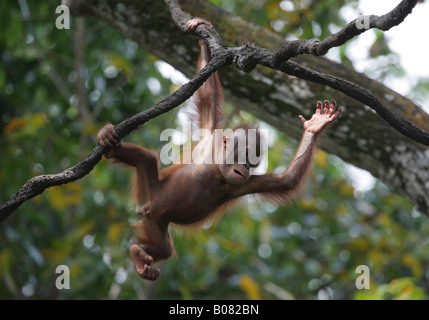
<point>307,250</point>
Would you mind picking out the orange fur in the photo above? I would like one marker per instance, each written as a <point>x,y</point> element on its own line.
<point>191,197</point>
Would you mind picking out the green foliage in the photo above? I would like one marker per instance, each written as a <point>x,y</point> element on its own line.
<point>307,250</point>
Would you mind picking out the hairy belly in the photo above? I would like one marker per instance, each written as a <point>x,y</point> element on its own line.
<point>190,196</point>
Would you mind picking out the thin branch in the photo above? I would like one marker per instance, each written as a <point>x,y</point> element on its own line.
<point>360,94</point>
<point>353,29</point>
<point>38,184</point>
<point>209,35</point>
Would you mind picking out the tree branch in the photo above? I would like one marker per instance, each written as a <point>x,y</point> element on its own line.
<point>38,184</point>
<point>353,29</point>
<point>360,94</point>
<point>209,35</point>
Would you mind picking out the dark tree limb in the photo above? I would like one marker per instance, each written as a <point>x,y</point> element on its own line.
<point>38,184</point>
<point>353,29</point>
<point>358,93</point>
<point>209,35</point>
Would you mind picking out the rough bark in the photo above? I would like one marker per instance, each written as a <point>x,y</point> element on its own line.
<point>361,137</point>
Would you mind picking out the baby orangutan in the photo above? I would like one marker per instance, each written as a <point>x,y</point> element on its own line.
<point>189,194</point>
